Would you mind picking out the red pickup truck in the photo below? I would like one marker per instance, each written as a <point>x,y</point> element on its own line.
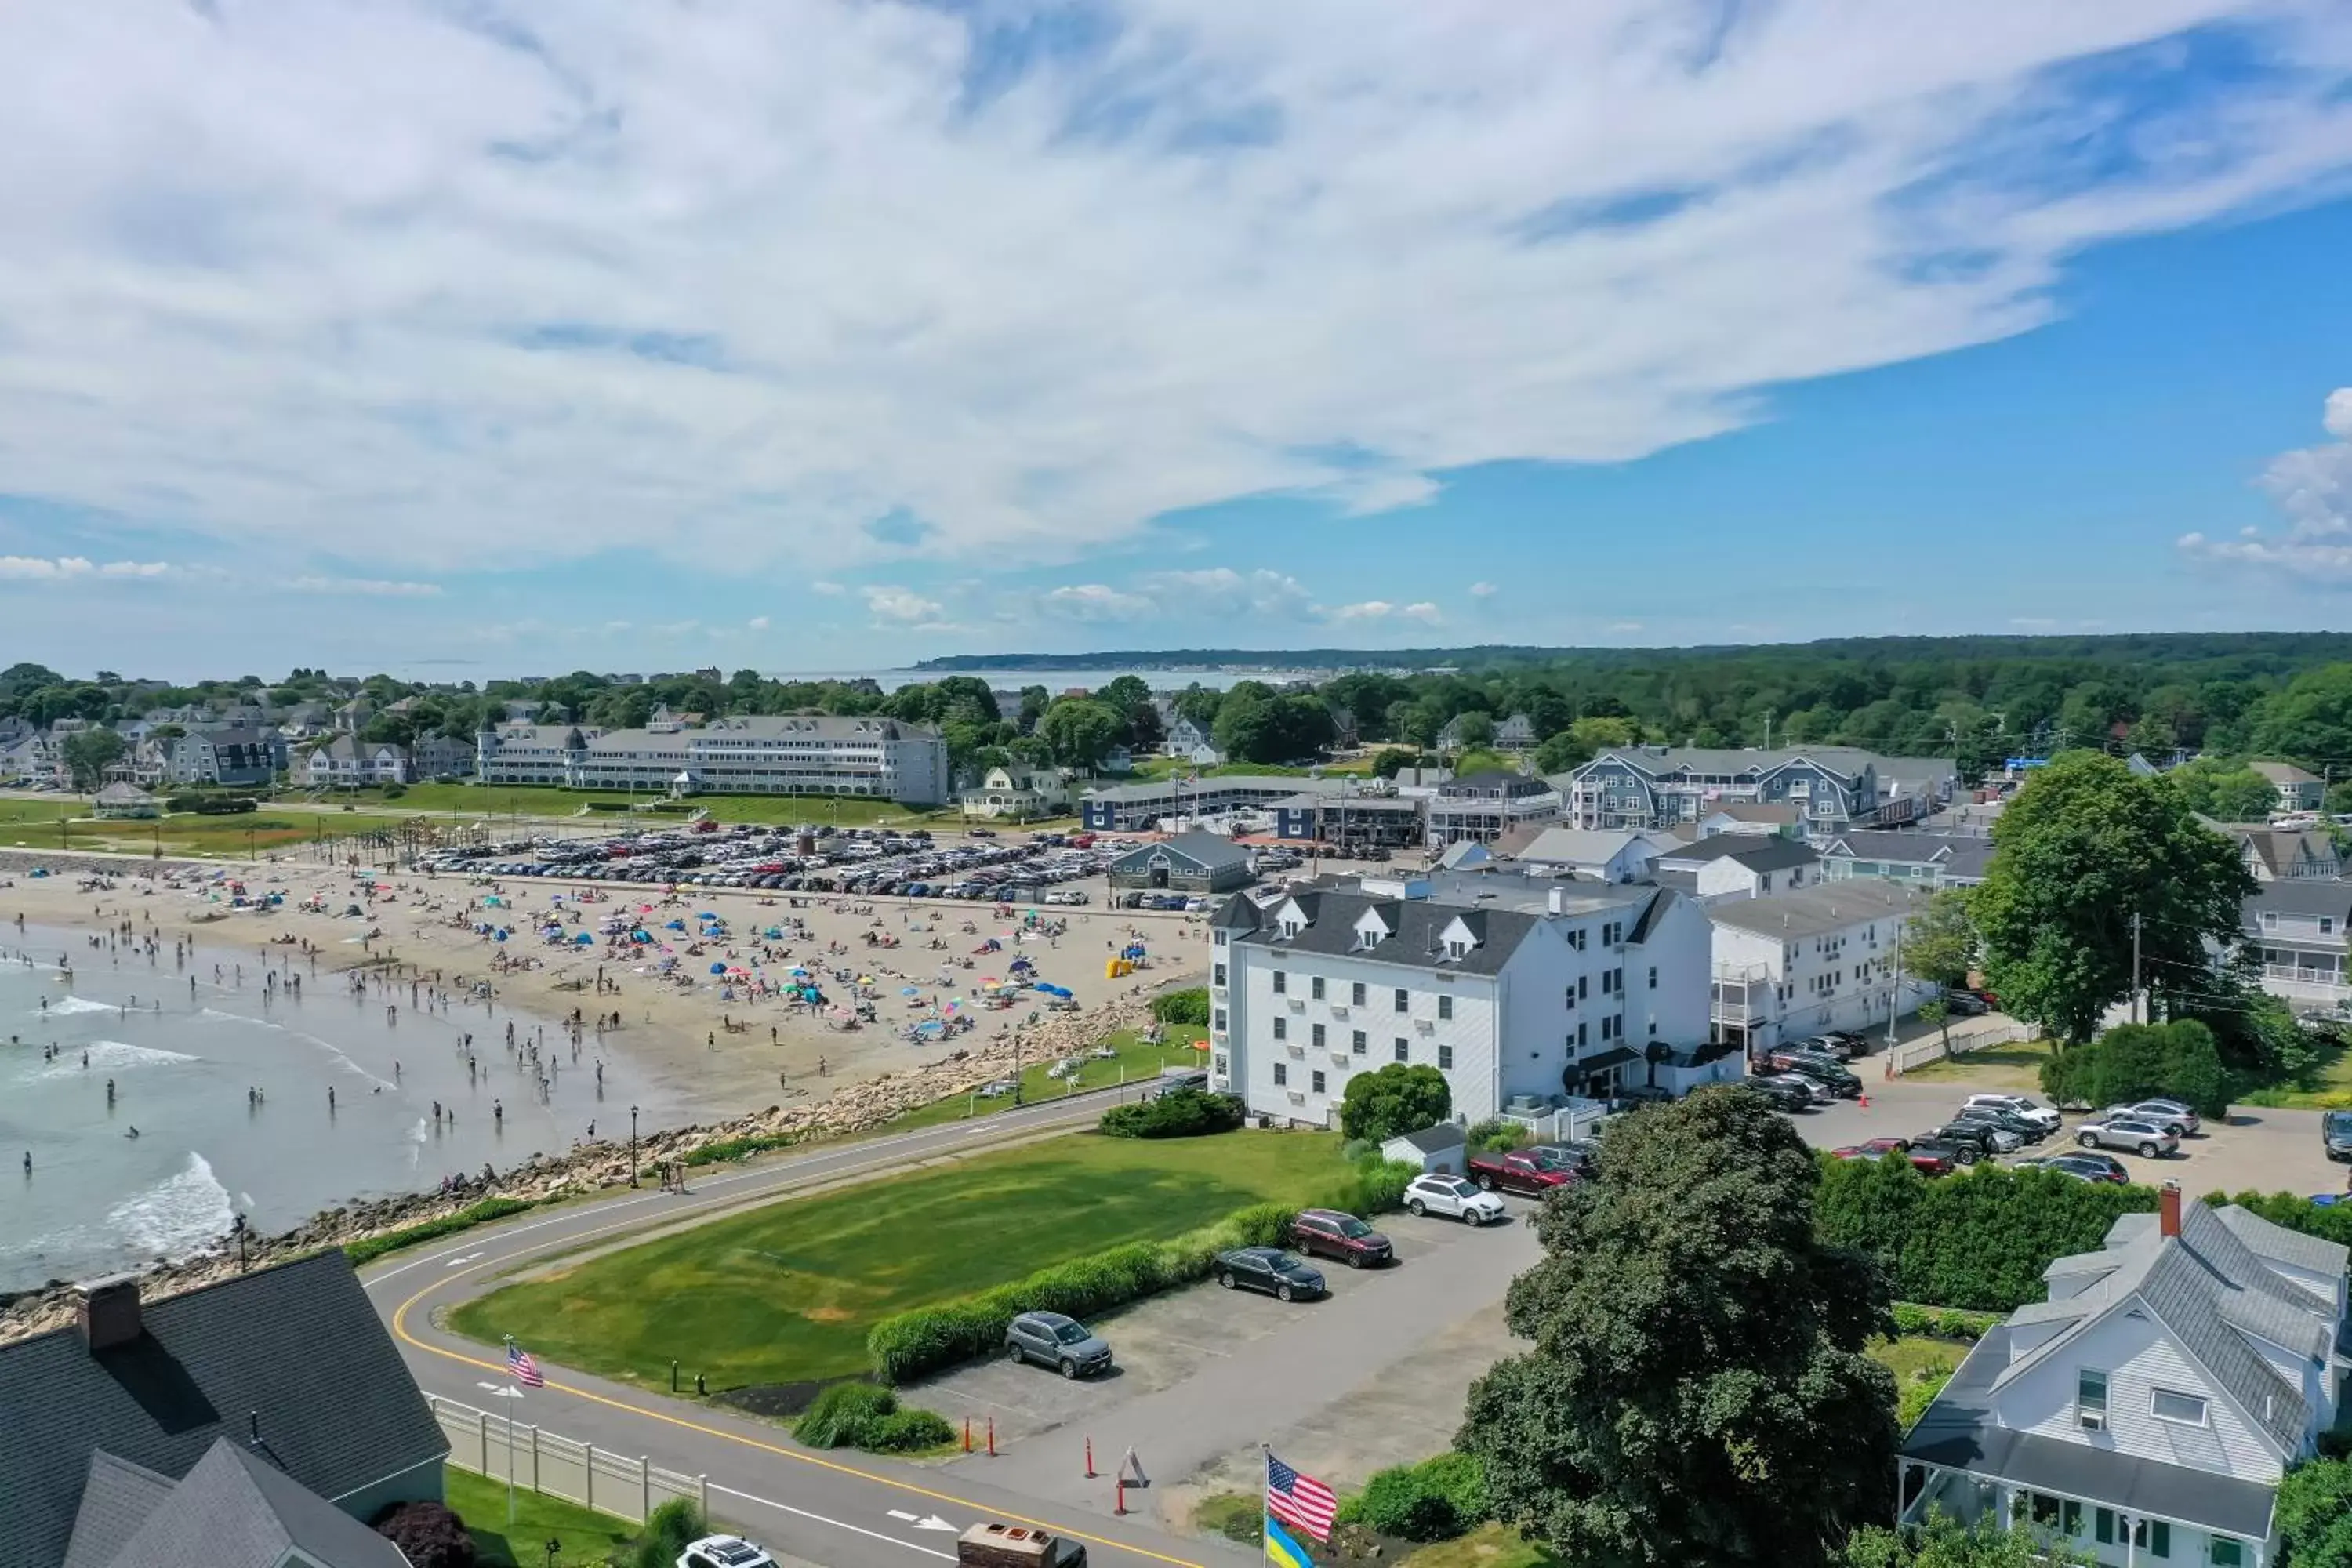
<point>1529,1174</point>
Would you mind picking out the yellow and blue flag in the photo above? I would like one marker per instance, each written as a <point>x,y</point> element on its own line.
<point>1283,1552</point>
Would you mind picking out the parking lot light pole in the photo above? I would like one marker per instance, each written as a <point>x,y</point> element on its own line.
<point>633,1146</point>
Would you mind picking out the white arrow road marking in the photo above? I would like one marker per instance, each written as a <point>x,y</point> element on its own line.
<point>456,1261</point>
<point>836,1523</point>
<point>933,1522</point>
<point>910,1517</point>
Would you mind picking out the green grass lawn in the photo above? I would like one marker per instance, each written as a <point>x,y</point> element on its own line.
<point>1488,1546</point>
<point>2014,1067</point>
<point>1135,1061</point>
<point>588,1538</point>
<point>1911,1354</point>
<point>786,1293</point>
<point>2329,1088</point>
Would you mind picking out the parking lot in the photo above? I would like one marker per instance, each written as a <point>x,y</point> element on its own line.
<point>1203,1375</point>
<point>2272,1150</point>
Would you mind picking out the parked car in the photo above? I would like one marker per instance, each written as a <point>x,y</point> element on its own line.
<point>2007,1120</point>
<point>2082,1164</point>
<point>2020,1105</point>
<point>1849,1042</point>
<point>1575,1155</point>
<point>1452,1196</point>
<point>1965,1004</point>
<point>1973,1139</point>
<point>1329,1233</point>
<point>1874,1148</point>
<point>2147,1138</point>
<point>1785,1091</point>
<point>1269,1269</point>
<point>1782,1057</point>
<point>1016,1546</point>
<point>1841,1083</point>
<point>1521,1170</point>
<point>2172,1114</point>
<point>723,1551</point>
<point>2335,1134</point>
<point>1050,1338</point>
<point>1936,1159</point>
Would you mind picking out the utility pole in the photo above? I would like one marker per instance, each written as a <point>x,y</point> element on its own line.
<point>1768,729</point>
<point>1894,997</point>
<point>2135,1018</point>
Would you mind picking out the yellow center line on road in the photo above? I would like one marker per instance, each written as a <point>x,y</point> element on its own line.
<point>400,1330</point>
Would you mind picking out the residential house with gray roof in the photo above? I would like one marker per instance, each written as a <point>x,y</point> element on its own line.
<point>1921,859</point>
<point>2144,1412</point>
<point>1791,965</point>
<point>1835,787</point>
<point>2296,932</point>
<point>218,1421</point>
<point>1739,866</point>
<point>2297,790</point>
<point>1521,990</point>
<point>2282,854</point>
<point>234,755</point>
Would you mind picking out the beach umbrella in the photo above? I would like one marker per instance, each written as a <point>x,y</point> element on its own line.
<point>585,940</point>
<point>717,969</point>
<point>675,925</point>
<point>909,991</point>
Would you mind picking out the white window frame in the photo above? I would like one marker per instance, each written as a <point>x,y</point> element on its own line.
<point>2204,1416</point>
<point>2095,1421</point>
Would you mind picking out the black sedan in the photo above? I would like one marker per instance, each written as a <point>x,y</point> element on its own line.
<point>1281,1273</point>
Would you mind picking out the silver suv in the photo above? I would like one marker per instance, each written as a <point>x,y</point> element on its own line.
<point>2146,1139</point>
<point>1049,1339</point>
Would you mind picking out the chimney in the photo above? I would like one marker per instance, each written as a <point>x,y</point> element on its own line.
<point>2168,1208</point>
<point>108,1313</point>
<point>1557,901</point>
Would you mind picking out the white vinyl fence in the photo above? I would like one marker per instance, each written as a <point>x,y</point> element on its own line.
<point>629,1487</point>
<point>1967,1035</point>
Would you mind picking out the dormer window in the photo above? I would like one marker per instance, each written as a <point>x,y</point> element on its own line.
<point>1456,949</point>
<point>1290,929</point>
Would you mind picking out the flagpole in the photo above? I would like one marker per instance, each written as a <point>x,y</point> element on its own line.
<point>1265,1500</point>
<point>516,1394</point>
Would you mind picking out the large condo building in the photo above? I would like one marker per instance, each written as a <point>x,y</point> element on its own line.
<point>768,754</point>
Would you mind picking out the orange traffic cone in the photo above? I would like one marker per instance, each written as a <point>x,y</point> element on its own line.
<point>1865,1101</point>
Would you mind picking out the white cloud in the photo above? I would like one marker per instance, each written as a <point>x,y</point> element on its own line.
<point>432,289</point>
<point>758,623</point>
<point>1370,610</point>
<point>1484,590</point>
<point>903,607</point>
<point>1425,612</point>
<point>1221,593</point>
<point>46,569</point>
<point>830,589</point>
<point>365,587</point>
<point>2313,486</point>
<point>1094,602</point>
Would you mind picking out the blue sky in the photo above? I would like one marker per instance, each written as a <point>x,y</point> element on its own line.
<point>818,335</point>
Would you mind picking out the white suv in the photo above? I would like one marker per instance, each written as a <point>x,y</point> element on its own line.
<point>1437,1193</point>
<point>724,1551</point>
<point>2017,1105</point>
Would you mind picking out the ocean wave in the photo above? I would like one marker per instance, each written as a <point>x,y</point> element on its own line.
<point>179,1216</point>
<point>80,1005</point>
<point>112,1056</point>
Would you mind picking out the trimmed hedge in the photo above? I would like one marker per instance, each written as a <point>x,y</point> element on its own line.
<point>909,1344</point>
<point>1175,1113</point>
<point>211,805</point>
<point>1436,1499</point>
<point>374,1246</point>
<point>1190,1007</point>
<point>2133,1061</point>
<point>860,1415</point>
<point>1978,1240</point>
<point>737,1148</point>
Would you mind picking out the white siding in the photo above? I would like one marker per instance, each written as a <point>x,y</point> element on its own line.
<point>2138,1356</point>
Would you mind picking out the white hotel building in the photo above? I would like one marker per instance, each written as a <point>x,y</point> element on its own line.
<point>823,754</point>
<point>1519,990</point>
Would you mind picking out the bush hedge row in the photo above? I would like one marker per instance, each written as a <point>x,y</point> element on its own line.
<point>1942,1322</point>
<point>1175,1113</point>
<point>1436,1499</point>
<point>211,805</point>
<point>737,1148</point>
<point>860,1415</point>
<point>1978,1240</point>
<point>909,1344</point>
<point>2133,1061</point>
<point>372,1247</point>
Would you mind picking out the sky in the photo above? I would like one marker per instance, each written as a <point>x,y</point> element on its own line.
<point>467,338</point>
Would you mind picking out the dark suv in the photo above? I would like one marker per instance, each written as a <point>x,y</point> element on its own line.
<point>1328,1233</point>
<point>1837,1080</point>
<point>2335,1134</point>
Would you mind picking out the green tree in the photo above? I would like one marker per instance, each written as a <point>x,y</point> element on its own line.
<point>2226,792</point>
<point>1699,1395</point>
<point>1947,1543</point>
<point>2084,847</point>
<point>2314,1514</point>
<point>1561,752</point>
<point>2310,721</point>
<point>90,752</point>
<point>1474,732</point>
<point>2132,1061</point>
<point>1478,760</point>
<point>1602,731</point>
<point>1397,1099</point>
<point>1078,731</point>
<point>1939,942</point>
<point>1393,760</point>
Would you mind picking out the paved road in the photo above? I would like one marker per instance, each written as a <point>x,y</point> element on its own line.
<point>869,1513</point>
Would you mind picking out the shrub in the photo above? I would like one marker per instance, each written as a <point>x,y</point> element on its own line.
<point>372,1247</point>
<point>737,1147</point>
<point>840,1415</point>
<point>1356,1151</point>
<point>428,1535</point>
<point>2314,1514</point>
<point>907,1431</point>
<point>1436,1499</point>
<point>1175,1113</point>
<point>667,1531</point>
<point>1942,1322</point>
<point>211,805</point>
<point>1395,1099</point>
<point>1978,1241</point>
<point>2133,1061</point>
<point>1495,1136</point>
<point>394,790</point>
<point>1919,1391</point>
<point>1190,1007</point>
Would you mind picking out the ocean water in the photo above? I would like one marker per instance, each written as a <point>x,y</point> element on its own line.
<point>98,1201</point>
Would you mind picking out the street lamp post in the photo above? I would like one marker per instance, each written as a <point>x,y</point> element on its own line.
<point>633,1146</point>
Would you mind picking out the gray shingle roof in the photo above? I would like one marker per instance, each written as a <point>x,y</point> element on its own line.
<point>2300,896</point>
<point>116,1499</point>
<point>1416,929</point>
<point>1960,855</point>
<point>2289,1247</point>
<point>1434,1140</point>
<point>235,1510</point>
<point>1205,851</point>
<point>1813,911</point>
<point>1757,851</point>
<point>299,1346</point>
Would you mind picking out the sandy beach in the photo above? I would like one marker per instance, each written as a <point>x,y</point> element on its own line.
<point>715,1044</point>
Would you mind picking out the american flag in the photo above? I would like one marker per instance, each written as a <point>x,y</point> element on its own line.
<point>521,1368</point>
<point>1301,1500</point>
